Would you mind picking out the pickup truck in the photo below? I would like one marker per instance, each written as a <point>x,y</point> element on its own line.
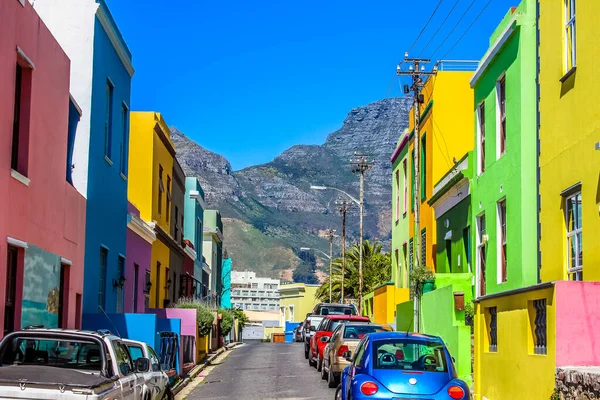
<point>69,364</point>
<point>156,381</point>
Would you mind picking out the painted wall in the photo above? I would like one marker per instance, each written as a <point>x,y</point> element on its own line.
<point>177,218</point>
<point>47,212</point>
<point>226,296</point>
<point>158,274</point>
<point>511,176</point>
<point>577,310</point>
<point>404,316</point>
<point>139,253</point>
<point>141,327</point>
<point>385,298</point>
<point>446,115</point>
<point>213,247</point>
<point>569,132</point>
<point>495,371</point>
<point>399,216</point>
<point>187,318</point>
<point>300,297</point>
<point>194,223</point>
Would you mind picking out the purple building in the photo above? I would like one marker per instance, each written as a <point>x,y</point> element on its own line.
<point>140,236</point>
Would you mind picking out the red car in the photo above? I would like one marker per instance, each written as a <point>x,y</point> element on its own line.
<point>325,329</point>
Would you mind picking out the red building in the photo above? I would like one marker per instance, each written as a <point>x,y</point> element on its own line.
<point>42,216</point>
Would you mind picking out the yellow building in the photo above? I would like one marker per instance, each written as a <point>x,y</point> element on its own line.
<point>446,111</point>
<point>297,300</point>
<point>149,189</point>
<point>569,135</point>
<point>380,305</point>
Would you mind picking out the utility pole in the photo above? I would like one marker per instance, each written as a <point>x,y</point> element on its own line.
<point>361,164</point>
<point>416,70</point>
<point>343,208</point>
<point>331,233</point>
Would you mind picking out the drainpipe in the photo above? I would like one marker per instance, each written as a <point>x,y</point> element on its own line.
<point>537,132</point>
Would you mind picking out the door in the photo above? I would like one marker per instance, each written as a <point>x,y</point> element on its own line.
<point>131,383</point>
<point>11,290</point>
<point>159,378</point>
<point>136,351</point>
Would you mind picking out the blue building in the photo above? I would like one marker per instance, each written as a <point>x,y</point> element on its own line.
<point>226,280</point>
<point>193,227</point>
<point>101,72</point>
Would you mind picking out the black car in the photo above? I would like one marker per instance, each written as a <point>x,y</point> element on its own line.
<point>335,309</point>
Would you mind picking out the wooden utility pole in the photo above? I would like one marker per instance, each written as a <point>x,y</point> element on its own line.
<point>361,164</point>
<point>416,70</point>
<point>331,233</point>
<point>343,208</point>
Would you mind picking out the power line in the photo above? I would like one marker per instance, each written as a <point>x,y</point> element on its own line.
<point>470,26</point>
<point>453,29</point>
<point>426,24</point>
<point>439,27</point>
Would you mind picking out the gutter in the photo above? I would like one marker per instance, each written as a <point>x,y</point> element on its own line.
<point>526,289</point>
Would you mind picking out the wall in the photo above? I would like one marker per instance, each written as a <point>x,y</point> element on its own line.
<point>577,309</point>
<point>177,233</point>
<point>188,321</point>
<point>141,327</point>
<point>399,219</point>
<point>385,298</point>
<point>226,296</point>
<point>194,223</point>
<point>48,213</point>
<point>301,297</point>
<point>568,134</point>
<point>172,325</point>
<point>459,257</point>
<point>139,252</point>
<point>160,254</point>
<point>512,175</point>
<point>405,316</point>
<point>495,371</point>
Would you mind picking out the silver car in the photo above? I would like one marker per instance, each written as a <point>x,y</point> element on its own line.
<point>156,381</point>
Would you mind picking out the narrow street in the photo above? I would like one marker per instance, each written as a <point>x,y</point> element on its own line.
<point>264,371</point>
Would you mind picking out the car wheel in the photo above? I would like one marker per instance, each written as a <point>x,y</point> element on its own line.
<point>168,394</point>
<point>338,393</point>
<point>331,381</point>
<point>311,360</point>
<point>319,364</point>
<point>305,352</point>
<point>323,372</point>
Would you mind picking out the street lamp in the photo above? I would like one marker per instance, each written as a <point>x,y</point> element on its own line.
<point>315,187</point>
<point>330,257</point>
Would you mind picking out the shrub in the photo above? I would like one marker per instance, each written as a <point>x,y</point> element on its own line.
<point>226,321</point>
<point>204,316</point>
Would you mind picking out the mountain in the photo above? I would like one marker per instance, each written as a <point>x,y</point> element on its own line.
<point>270,210</point>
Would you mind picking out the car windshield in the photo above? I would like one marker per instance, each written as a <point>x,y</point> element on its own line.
<point>336,310</point>
<point>315,321</point>
<point>358,331</point>
<point>407,354</point>
<point>78,354</point>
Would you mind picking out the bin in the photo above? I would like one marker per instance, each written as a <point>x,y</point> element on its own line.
<point>279,338</point>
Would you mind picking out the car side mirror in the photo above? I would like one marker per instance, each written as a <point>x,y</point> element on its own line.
<point>453,360</point>
<point>164,367</point>
<point>142,365</point>
<point>124,369</point>
<point>312,328</point>
<point>324,339</point>
<point>347,355</point>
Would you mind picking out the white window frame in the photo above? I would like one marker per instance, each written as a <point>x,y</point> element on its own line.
<point>570,58</point>
<point>499,152</point>
<point>480,136</point>
<point>479,245</point>
<point>405,188</point>
<point>499,237</point>
<point>574,233</point>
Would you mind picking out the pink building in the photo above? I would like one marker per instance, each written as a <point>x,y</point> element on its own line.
<point>42,216</point>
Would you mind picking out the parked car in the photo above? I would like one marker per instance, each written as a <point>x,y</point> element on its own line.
<point>345,338</point>
<point>310,326</point>
<point>389,365</point>
<point>322,334</point>
<point>156,381</point>
<point>298,333</point>
<point>91,365</point>
<point>334,309</point>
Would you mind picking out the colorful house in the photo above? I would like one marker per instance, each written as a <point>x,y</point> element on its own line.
<point>101,83</point>
<point>297,300</point>
<point>150,190</point>
<point>212,249</point>
<point>140,237</point>
<point>193,230</point>
<point>177,246</point>
<point>226,293</point>
<point>42,216</point>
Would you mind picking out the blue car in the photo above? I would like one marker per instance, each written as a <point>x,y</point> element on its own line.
<point>400,365</point>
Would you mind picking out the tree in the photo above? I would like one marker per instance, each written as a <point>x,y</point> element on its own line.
<point>305,273</point>
<point>377,269</point>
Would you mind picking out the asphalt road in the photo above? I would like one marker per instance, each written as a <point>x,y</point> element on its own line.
<point>264,371</point>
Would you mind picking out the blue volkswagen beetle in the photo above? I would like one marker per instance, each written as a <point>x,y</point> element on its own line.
<point>400,365</point>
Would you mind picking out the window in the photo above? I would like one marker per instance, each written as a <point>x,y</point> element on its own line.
<point>574,237</point>
<point>481,138</point>
<point>147,291</point>
<point>102,281</point>
<point>493,329</point>
<point>410,354</point>
<point>168,210</point>
<point>19,160</point>
<point>255,286</point>
<point>134,292</point>
<point>11,289</point>
<point>398,264</point>
<point>449,254</point>
<point>539,323</point>
<point>570,35</point>
<point>397,195</point>
<point>181,230</point>
<point>154,360</point>
<point>124,138</point>
<point>176,234</point>
<point>412,192</point>
<point>123,359</point>
<point>411,261</point>
<point>501,112</point>
<point>168,282</point>
<point>405,254</point>
<point>481,254</point>
<point>501,243</point>
<point>136,352</point>
<point>63,292</point>
<point>423,169</point>
<point>74,117</point>
<point>467,246</point>
<point>360,351</point>
<point>120,273</point>
<point>405,170</point>
<point>157,289</point>
<point>423,247</point>
<point>161,188</point>
<point>108,118</point>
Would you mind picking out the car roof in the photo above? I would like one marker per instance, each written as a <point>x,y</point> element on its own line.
<point>129,341</point>
<point>334,305</point>
<point>355,318</point>
<point>57,331</point>
<point>404,335</point>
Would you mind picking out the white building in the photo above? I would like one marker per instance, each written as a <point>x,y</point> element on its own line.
<point>249,292</point>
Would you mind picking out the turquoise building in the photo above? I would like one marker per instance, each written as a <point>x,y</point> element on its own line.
<point>226,280</point>
<point>193,227</point>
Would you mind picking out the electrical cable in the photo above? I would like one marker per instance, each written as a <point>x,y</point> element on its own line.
<point>453,29</point>
<point>439,27</point>
<point>426,24</point>
<point>470,26</point>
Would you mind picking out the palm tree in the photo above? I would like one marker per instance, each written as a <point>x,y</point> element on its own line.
<point>377,269</point>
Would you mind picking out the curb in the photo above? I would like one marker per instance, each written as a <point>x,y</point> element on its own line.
<point>201,366</point>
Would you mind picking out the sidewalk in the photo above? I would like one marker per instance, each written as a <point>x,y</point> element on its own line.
<point>194,372</point>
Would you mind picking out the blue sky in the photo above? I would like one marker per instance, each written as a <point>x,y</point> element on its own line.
<point>249,79</point>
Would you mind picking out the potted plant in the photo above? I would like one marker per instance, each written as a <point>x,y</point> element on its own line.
<point>422,280</point>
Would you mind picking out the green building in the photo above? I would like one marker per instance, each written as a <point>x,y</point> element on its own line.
<point>504,188</point>
<point>400,207</point>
